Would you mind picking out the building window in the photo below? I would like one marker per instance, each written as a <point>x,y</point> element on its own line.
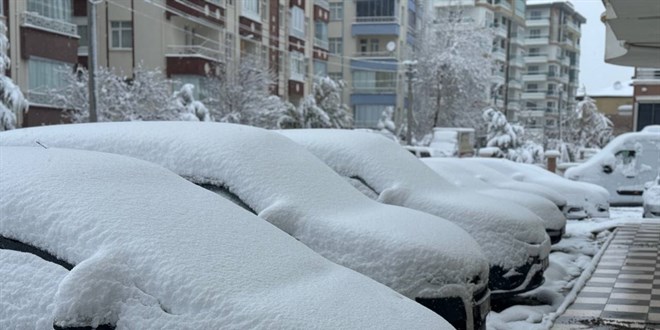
<point>82,32</point>
<point>535,14</point>
<point>368,116</point>
<point>297,66</point>
<point>321,33</point>
<point>336,45</point>
<point>374,81</point>
<point>122,34</point>
<point>320,68</point>
<point>376,8</point>
<point>297,22</point>
<point>535,33</point>
<point>336,11</point>
<point>55,9</point>
<point>374,45</point>
<point>45,75</point>
<point>532,88</point>
<point>250,9</point>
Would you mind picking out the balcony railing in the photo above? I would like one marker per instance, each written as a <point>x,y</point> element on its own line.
<point>644,73</point>
<point>34,20</point>
<point>300,34</point>
<point>40,97</point>
<point>321,43</point>
<point>375,89</point>
<point>376,19</point>
<point>194,50</point>
<point>383,54</point>
<point>322,3</point>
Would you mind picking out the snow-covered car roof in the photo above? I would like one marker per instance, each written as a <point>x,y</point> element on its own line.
<point>399,178</point>
<point>152,250</point>
<point>593,198</point>
<point>452,169</point>
<point>286,185</point>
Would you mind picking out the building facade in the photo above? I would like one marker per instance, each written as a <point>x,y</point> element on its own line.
<point>646,98</point>
<point>552,53</point>
<point>187,39</point>
<point>368,41</point>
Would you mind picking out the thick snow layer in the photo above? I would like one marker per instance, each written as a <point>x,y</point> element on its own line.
<point>593,198</point>
<point>452,170</point>
<point>286,185</point>
<point>507,233</point>
<point>28,285</point>
<point>571,263</point>
<point>626,163</point>
<point>652,199</point>
<point>154,251</point>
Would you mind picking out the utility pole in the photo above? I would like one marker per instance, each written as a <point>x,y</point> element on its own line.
<point>560,88</point>
<point>410,74</point>
<point>91,57</point>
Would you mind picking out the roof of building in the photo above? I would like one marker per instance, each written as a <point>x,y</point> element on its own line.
<point>565,3</point>
<point>618,89</point>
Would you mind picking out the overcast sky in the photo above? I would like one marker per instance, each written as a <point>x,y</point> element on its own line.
<point>595,74</point>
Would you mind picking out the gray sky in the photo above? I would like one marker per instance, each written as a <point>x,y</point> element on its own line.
<point>595,74</point>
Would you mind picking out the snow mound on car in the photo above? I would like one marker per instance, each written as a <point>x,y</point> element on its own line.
<point>206,262</point>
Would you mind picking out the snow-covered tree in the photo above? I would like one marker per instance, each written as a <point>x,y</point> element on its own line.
<point>509,138</point>
<point>12,101</point>
<point>145,97</point>
<point>321,109</point>
<point>190,109</point>
<point>454,72</point>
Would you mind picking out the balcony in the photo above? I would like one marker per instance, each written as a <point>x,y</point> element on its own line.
<point>536,41</point>
<point>385,87</point>
<point>518,62</point>
<point>194,51</point>
<point>515,84</point>
<point>568,43</point>
<point>647,74</point>
<point>517,40</point>
<point>533,112</point>
<point>40,98</point>
<point>513,106</point>
<point>36,21</point>
<point>534,76</point>
<point>321,43</point>
<point>384,54</point>
<point>536,58</point>
<point>537,22</point>
<point>323,4</point>
<point>572,26</point>
<point>376,26</point>
<point>500,31</point>
<point>533,95</point>
<point>499,54</point>
<point>208,12</point>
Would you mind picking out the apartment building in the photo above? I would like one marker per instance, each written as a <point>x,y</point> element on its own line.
<point>507,19</point>
<point>187,39</point>
<point>368,41</point>
<point>552,44</point>
<point>646,97</point>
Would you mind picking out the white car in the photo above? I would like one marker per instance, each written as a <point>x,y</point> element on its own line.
<point>590,197</point>
<point>512,237</point>
<point>148,250</point>
<point>651,199</point>
<point>421,256</point>
<point>454,171</point>
<point>623,166</point>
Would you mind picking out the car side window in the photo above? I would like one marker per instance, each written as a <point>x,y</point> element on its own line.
<point>224,192</point>
<point>625,156</point>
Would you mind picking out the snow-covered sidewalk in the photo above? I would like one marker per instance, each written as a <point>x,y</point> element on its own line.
<point>572,263</point>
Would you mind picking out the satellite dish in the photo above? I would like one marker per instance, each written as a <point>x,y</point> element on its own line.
<point>391,46</point>
<point>618,85</point>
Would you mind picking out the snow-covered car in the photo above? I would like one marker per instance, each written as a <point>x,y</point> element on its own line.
<point>150,250</point>
<point>651,198</point>
<point>512,237</point>
<point>421,256</point>
<point>502,181</point>
<point>623,166</point>
<point>593,199</point>
<point>452,170</point>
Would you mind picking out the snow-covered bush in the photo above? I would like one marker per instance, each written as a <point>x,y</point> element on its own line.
<point>509,138</point>
<point>183,101</point>
<point>322,109</point>
<point>585,127</point>
<point>12,101</point>
<point>119,98</point>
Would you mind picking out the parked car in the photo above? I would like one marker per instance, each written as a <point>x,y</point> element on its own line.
<point>623,166</point>
<point>651,198</point>
<point>421,256</point>
<point>452,170</point>
<point>149,250</point>
<point>512,237</point>
<point>589,197</point>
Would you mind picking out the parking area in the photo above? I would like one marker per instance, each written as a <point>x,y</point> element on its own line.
<point>624,291</point>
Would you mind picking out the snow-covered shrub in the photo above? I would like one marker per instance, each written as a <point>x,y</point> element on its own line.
<point>321,109</point>
<point>183,101</point>
<point>509,138</point>
<point>12,101</point>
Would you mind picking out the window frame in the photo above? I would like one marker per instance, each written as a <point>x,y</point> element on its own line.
<point>120,29</point>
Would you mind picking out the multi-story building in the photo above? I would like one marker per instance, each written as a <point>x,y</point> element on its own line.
<point>187,39</point>
<point>646,97</point>
<point>507,20</point>
<point>368,41</point>
<point>552,43</point>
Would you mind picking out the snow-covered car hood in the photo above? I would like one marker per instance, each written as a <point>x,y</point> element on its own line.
<point>152,250</point>
<point>593,198</point>
<point>286,185</point>
<point>452,170</point>
<point>507,233</point>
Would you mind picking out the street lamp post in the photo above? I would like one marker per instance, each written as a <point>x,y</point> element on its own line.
<point>560,89</point>
<point>410,74</point>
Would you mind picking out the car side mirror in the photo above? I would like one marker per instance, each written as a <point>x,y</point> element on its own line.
<point>607,169</point>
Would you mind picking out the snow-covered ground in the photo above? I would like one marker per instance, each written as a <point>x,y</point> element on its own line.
<point>571,264</point>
